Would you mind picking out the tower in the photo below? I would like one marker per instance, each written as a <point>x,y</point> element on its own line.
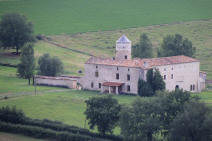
<point>123,48</point>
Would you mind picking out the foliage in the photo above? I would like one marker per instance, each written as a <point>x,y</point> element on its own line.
<point>176,45</point>
<point>140,122</point>
<point>15,31</point>
<point>154,83</point>
<point>26,67</point>
<point>144,88</point>
<point>143,49</point>
<point>172,103</point>
<point>102,112</point>
<point>193,124</point>
<point>11,115</point>
<point>17,117</point>
<point>50,66</point>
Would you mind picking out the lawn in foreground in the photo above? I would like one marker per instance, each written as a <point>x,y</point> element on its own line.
<point>74,16</point>
<point>15,137</point>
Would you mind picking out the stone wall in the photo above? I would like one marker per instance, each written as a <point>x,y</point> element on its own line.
<point>108,73</point>
<point>57,81</point>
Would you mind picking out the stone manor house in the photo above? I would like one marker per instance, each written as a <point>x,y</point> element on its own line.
<point>121,73</point>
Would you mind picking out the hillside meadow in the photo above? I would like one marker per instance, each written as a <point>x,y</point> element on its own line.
<point>60,104</point>
<point>52,17</point>
<point>102,44</point>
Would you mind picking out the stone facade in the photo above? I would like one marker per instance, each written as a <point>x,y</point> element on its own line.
<point>121,74</point>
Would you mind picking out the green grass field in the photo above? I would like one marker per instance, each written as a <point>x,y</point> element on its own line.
<point>73,16</point>
<point>65,105</point>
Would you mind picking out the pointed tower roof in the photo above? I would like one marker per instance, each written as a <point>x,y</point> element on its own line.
<point>123,39</point>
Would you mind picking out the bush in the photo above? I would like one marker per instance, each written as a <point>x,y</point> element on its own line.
<point>39,132</point>
<point>12,115</point>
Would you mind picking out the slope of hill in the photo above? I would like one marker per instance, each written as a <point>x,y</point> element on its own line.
<point>73,16</point>
<point>78,46</point>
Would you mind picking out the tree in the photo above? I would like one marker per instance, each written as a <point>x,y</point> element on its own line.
<point>102,112</point>
<point>50,66</point>
<point>154,83</point>
<point>140,120</point>
<point>144,88</point>
<point>193,124</point>
<point>26,67</point>
<point>176,45</point>
<point>144,48</point>
<point>171,103</point>
<point>15,31</point>
<point>157,83</point>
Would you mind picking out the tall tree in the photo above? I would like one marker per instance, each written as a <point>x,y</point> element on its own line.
<point>144,48</point>
<point>15,31</point>
<point>27,65</point>
<point>175,45</point>
<point>157,83</point>
<point>144,88</point>
<point>193,124</point>
<point>140,121</point>
<point>102,112</point>
<point>50,66</point>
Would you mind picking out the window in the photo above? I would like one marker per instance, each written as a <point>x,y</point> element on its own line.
<point>191,88</point>
<point>97,74</point>
<point>128,69</point>
<point>172,68</point>
<point>117,76</point>
<point>100,85</point>
<point>128,88</point>
<point>117,68</point>
<point>164,77</point>
<point>91,84</point>
<point>177,87</point>
<point>164,69</point>
<point>128,77</point>
<point>125,57</point>
<point>96,67</point>
<point>172,76</point>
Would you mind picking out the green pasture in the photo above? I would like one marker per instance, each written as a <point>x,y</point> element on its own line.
<point>60,104</point>
<point>73,16</point>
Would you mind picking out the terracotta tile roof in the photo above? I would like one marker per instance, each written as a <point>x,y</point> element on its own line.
<point>112,84</point>
<point>142,63</point>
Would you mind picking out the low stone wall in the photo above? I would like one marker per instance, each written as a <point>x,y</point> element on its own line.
<point>65,81</point>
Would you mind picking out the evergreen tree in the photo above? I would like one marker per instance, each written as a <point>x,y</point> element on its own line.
<point>144,88</point>
<point>26,67</point>
<point>157,83</point>
<point>144,48</point>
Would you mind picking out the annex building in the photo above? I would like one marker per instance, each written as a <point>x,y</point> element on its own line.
<point>121,73</point>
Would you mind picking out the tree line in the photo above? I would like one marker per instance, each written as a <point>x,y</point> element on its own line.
<point>172,45</point>
<point>168,116</point>
<point>17,33</point>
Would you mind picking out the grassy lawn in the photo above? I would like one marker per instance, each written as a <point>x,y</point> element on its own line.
<point>14,137</point>
<point>70,16</point>
<point>11,85</point>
